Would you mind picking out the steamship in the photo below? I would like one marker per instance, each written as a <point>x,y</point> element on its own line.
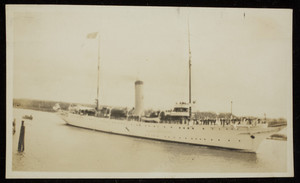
<point>177,125</point>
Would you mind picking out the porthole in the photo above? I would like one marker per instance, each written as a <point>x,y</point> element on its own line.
<point>192,128</point>
<point>202,128</point>
<point>171,126</point>
<point>239,140</point>
<point>218,139</point>
<point>179,127</point>
<point>229,140</point>
<point>188,128</point>
<point>211,139</point>
<point>192,139</point>
<point>212,128</point>
<point>183,127</point>
<point>204,139</point>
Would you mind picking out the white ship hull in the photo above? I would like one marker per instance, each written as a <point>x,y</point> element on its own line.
<point>242,137</point>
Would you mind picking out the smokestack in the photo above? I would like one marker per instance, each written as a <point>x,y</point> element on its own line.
<point>139,98</point>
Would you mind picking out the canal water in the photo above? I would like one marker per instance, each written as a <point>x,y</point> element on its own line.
<point>52,146</point>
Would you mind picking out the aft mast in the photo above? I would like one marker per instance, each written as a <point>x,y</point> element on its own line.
<point>190,69</point>
<point>98,78</point>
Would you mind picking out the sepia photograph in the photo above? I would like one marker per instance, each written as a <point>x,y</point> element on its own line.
<point>148,92</point>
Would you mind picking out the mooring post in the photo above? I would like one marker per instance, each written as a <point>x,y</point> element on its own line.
<point>14,126</point>
<point>21,145</point>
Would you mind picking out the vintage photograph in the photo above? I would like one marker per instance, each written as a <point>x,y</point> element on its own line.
<point>148,92</point>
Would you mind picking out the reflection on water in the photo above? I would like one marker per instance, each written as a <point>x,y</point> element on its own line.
<point>50,145</point>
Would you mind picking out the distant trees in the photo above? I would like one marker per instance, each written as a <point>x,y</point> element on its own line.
<point>41,105</point>
<point>148,112</point>
<point>277,122</point>
<point>226,115</point>
<point>118,113</point>
<point>211,115</point>
<point>202,115</point>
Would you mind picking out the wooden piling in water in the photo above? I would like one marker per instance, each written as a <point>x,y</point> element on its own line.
<point>21,145</point>
<point>14,126</point>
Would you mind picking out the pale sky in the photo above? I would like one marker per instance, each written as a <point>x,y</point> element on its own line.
<point>239,55</point>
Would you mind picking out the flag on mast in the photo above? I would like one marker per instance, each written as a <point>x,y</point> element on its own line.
<point>92,35</point>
